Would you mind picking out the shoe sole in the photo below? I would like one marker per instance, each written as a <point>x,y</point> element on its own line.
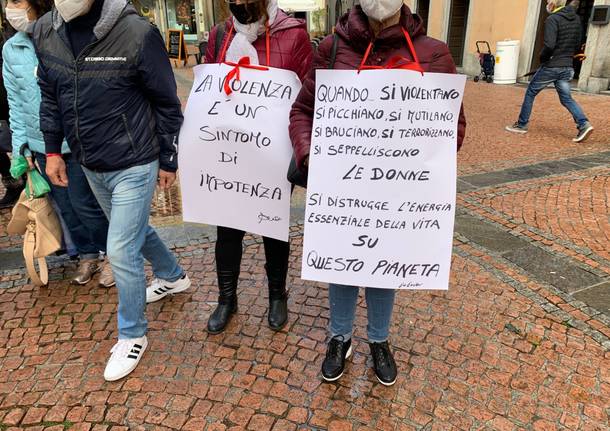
<point>130,370</point>
<point>334,379</point>
<point>107,286</point>
<point>385,383</point>
<point>509,129</point>
<point>585,135</point>
<point>171,292</point>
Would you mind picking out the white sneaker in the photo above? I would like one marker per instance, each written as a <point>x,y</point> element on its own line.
<point>159,289</point>
<point>126,355</point>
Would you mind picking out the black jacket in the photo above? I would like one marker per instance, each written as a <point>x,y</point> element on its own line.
<point>3,97</point>
<point>562,38</point>
<point>116,104</point>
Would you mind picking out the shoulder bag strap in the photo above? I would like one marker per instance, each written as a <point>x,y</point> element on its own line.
<point>29,242</point>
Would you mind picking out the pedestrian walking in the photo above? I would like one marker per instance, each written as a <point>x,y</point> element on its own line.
<point>257,29</point>
<point>562,40</point>
<point>85,220</point>
<point>371,34</point>
<point>108,88</point>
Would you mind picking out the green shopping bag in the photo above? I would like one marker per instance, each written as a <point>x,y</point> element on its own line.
<point>36,186</point>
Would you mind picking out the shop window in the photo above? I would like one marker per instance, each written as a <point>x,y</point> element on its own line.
<point>181,16</point>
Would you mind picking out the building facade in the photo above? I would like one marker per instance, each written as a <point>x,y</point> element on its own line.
<point>461,23</point>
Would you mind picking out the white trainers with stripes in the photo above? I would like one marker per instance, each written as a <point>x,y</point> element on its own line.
<point>126,355</point>
<point>159,289</point>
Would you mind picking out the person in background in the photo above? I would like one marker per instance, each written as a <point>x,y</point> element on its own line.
<point>109,89</point>
<point>12,187</point>
<point>86,222</point>
<point>375,26</point>
<point>562,40</point>
<point>258,29</point>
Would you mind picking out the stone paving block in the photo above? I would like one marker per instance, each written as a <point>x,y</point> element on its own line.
<point>597,297</point>
<point>554,270</point>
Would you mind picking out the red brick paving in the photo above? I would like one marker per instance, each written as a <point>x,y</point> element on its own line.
<point>460,367</point>
<point>571,208</point>
<point>488,147</point>
<point>488,354</point>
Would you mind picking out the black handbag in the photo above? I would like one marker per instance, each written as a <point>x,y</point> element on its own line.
<point>295,175</point>
<point>6,141</point>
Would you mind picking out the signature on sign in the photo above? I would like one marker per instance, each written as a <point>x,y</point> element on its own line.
<point>263,217</point>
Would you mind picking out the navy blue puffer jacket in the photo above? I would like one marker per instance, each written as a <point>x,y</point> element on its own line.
<point>116,104</point>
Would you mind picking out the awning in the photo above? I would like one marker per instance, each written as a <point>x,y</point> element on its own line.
<point>298,5</point>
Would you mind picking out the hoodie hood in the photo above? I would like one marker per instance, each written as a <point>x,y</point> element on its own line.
<point>355,29</point>
<point>568,13</point>
<point>111,12</point>
<point>284,22</point>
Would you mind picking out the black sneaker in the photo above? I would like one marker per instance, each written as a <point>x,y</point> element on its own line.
<point>583,132</point>
<point>336,354</point>
<point>383,363</point>
<point>516,128</point>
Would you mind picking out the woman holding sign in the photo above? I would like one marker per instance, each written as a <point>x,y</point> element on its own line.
<point>378,34</point>
<point>261,31</point>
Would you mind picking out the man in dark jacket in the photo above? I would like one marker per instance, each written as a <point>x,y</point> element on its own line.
<point>108,88</point>
<point>562,39</point>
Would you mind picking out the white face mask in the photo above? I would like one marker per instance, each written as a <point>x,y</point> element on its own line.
<point>380,10</point>
<point>70,9</point>
<point>18,18</point>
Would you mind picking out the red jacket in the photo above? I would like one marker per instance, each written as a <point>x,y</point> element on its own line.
<point>355,34</point>
<point>289,45</point>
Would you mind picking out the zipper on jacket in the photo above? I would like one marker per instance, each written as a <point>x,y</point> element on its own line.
<point>82,149</point>
<point>131,142</point>
<point>77,61</point>
<point>85,51</point>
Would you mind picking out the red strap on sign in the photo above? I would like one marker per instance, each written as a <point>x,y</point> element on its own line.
<point>396,62</point>
<point>234,73</point>
<point>267,45</point>
<point>225,46</point>
<point>243,62</point>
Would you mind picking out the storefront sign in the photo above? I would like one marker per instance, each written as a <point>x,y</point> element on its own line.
<point>175,45</point>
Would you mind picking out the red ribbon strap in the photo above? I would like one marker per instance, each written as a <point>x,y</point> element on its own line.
<point>396,62</point>
<point>225,46</point>
<point>234,73</point>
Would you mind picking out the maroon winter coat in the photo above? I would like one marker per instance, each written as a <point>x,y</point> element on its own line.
<point>355,34</point>
<point>289,45</point>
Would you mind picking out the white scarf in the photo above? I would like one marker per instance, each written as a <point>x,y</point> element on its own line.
<point>245,34</point>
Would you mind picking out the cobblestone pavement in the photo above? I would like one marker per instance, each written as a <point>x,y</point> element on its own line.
<point>520,341</point>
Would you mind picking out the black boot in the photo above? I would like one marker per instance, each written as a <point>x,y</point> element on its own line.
<point>13,191</point>
<point>227,301</point>
<point>278,297</point>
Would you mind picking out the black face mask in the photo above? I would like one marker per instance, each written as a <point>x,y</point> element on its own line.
<point>246,13</point>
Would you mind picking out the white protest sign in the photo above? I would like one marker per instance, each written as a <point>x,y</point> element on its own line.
<point>235,150</point>
<point>382,179</point>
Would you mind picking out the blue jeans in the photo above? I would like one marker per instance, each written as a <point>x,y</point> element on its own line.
<point>86,222</point>
<point>560,77</point>
<point>125,196</point>
<point>379,304</point>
